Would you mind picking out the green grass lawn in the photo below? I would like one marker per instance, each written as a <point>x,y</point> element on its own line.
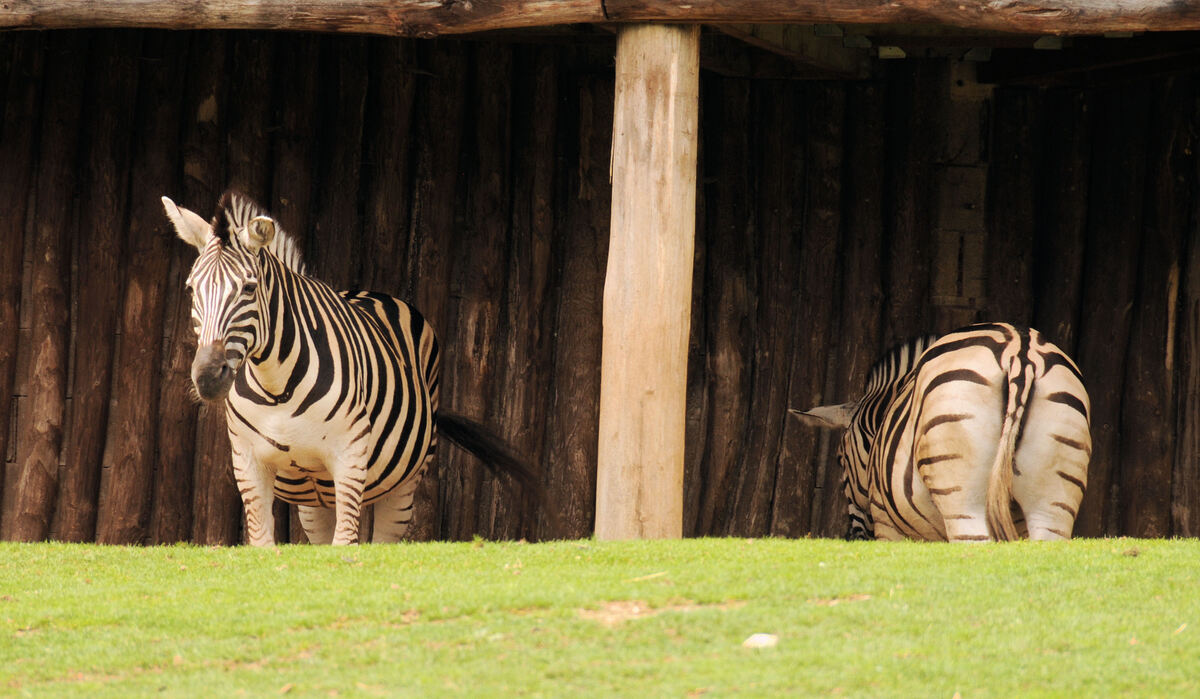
<point>585,618</point>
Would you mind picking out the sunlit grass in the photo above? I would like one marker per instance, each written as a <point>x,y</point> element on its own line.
<point>588,618</point>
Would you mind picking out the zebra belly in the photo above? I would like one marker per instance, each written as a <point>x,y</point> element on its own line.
<point>301,460</point>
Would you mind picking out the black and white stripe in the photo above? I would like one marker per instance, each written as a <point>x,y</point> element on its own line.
<point>331,397</point>
<point>982,434</point>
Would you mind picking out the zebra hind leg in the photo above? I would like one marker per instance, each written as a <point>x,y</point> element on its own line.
<point>393,513</point>
<point>317,522</point>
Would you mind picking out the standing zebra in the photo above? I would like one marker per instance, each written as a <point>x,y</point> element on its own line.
<point>981,434</point>
<point>337,405</point>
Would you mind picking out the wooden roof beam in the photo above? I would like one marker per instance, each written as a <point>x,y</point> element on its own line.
<point>427,18</point>
<point>1078,17</point>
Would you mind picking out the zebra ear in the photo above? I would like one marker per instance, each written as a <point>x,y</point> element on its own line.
<point>258,233</point>
<point>826,415</point>
<point>189,226</point>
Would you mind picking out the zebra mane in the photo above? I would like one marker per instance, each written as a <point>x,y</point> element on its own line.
<point>897,362</point>
<point>234,212</point>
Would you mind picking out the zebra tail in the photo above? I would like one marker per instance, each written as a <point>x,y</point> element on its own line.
<point>999,491</point>
<point>500,458</point>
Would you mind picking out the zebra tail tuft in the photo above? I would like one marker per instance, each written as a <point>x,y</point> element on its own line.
<point>500,458</point>
<point>999,491</point>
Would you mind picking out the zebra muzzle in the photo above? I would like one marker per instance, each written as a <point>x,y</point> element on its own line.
<point>211,374</point>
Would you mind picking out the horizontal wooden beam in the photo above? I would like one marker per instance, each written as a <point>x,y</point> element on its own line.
<point>1020,16</point>
<point>427,18</point>
<point>413,18</point>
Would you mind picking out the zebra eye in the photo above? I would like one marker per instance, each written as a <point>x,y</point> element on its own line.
<point>249,287</point>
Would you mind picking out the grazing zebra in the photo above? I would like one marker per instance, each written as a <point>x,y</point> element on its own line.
<point>981,434</point>
<point>331,398</point>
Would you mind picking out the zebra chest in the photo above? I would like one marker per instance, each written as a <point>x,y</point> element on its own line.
<point>280,441</point>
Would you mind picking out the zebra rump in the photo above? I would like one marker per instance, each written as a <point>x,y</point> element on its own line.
<point>981,434</point>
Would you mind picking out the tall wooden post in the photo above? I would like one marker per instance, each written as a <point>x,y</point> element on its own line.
<point>647,292</point>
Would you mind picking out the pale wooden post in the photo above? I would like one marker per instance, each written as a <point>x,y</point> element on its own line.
<point>648,289</point>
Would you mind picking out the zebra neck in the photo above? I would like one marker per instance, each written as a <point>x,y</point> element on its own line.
<point>285,352</point>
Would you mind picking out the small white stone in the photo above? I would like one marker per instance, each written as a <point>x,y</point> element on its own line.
<point>761,640</point>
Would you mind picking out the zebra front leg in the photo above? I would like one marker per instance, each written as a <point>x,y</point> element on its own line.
<point>255,484</point>
<point>348,492</point>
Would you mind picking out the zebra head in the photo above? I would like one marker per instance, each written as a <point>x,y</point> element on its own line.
<point>850,460</point>
<point>224,287</point>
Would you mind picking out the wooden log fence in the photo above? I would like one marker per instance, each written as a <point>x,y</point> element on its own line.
<point>474,178</point>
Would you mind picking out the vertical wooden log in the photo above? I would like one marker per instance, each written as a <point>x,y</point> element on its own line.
<point>643,387</point>
<point>387,180</point>
<point>469,362</point>
<point>248,162</point>
<point>1185,482</point>
<point>297,73</point>
<point>54,222</point>
<point>860,299</point>
<point>435,206</point>
<point>127,478</point>
<point>110,99</point>
<point>582,248</point>
<point>915,102</point>
<point>178,497</point>
<point>1110,272</point>
<point>22,98</point>
<point>1010,207</point>
<point>808,160</point>
<point>520,404</point>
<point>387,172</point>
<point>1062,223</point>
<point>730,297</point>
<point>1148,401</point>
<point>335,247</point>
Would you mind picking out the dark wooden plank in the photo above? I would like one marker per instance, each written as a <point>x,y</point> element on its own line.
<point>387,163</point>
<point>519,403</point>
<point>109,105</point>
<point>730,296</point>
<point>247,169</point>
<point>1062,220</point>
<point>581,251</point>
<point>178,496</point>
<point>335,244</point>
<point>248,162</point>
<point>915,95</point>
<point>1148,402</point>
<point>53,228</point>
<point>696,432</point>
<point>1109,287</point>
<point>296,77</point>
<point>859,302</point>
<point>22,98</point>
<point>442,94</point>
<point>470,348</point>
<point>127,479</point>
<point>1185,481</point>
<point>1010,207</point>
<point>798,281</point>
